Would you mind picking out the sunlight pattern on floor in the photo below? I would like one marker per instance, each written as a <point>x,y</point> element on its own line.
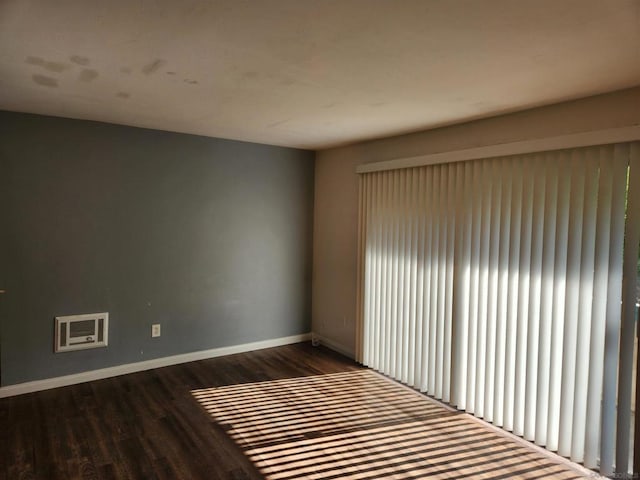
<point>360,425</point>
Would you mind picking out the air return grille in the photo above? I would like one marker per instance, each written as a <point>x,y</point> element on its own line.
<point>78,332</point>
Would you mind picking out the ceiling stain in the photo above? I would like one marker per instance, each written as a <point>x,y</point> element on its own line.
<point>123,95</point>
<point>34,61</point>
<point>45,81</point>
<point>275,124</point>
<point>56,66</point>
<point>153,66</point>
<point>87,75</point>
<point>190,82</point>
<point>51,66</point>
<point>170,73</point>
<point>80,60</point>
<point>126,70</point>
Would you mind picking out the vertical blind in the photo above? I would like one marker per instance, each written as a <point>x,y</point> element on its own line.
<point>496,285</point>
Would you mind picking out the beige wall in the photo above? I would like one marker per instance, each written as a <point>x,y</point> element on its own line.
<point>336,188</point>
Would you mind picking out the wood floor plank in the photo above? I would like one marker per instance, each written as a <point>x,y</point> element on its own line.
<point>286,413</point>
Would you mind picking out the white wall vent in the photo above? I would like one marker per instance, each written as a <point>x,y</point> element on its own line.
<point>78,332</point>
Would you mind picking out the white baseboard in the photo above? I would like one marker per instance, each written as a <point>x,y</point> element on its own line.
<point>338,347</point>
<point>48,383</point>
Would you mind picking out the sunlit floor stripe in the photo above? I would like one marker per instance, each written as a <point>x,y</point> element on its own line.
<point>389,459</point>
<point>263,402</point>
<point>264,413</point>
<point>368,451</point>
<point>347,445</point>
<point>311,394</point>
<point>315,420</point>
<point>260,435</point>
<point>303,391</point>
<point>275,386</point>
<point>450,424</point>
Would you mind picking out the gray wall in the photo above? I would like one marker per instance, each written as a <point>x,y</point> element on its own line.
<point>211,238</point>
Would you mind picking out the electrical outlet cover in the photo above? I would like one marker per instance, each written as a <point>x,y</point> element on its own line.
<point>155,330</point>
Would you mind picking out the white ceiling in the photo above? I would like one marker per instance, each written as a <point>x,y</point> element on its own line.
<point>309,73</point>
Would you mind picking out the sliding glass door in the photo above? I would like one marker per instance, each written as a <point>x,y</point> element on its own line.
<point>507,288</point>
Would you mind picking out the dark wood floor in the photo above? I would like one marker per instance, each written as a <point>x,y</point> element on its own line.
<point>284,413</point>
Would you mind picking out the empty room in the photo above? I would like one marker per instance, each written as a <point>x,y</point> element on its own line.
<point>323,239</point>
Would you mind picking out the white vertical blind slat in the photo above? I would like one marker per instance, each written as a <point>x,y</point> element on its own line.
<point>385,277</point>
<point>628,334</point>
<point>370,274</point>
<point>505,171</point>
<point>547,282</point>
<point>386,274</point>
<point>572,296</point>
<point>408,286</point>
<point>474,265</point>
<point>428,319</point>
<point>448,289</point>
<point>401,262</point>
<point>373,259</point>
<point>483,284</point>
<point>494,209</point>
<point>413,302</point>
<point>458,323</point>
<point>360,268</point>
<point>394,246</point>
<point>435,267</point>
<point>523,299</point>
<point>440,281</point>
<point>469,289</point>
<point>515,202</point>
<point>535,288</point>
<point>464,285</point>
<point>556,378</point>
<point>370,264</point>
<point>598,320</point>
<point>613,308</point>
<point>372,294</point>
<point>385,331</point>
<point>364,310</point>
<point>584,307</point>
<point>410,279</point>
<point>420,215</point>
<point>380,280</point>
